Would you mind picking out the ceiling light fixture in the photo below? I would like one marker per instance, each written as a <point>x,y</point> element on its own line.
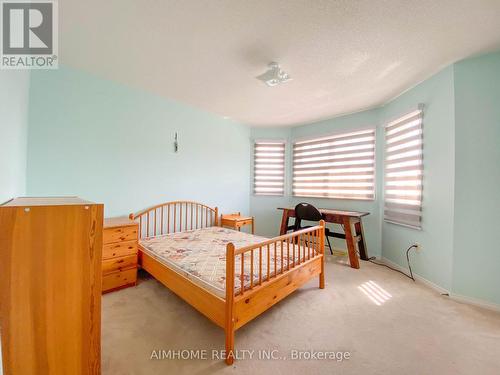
<point>274,75</point>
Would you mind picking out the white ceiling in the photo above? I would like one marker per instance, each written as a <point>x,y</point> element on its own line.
<point>344,55</point>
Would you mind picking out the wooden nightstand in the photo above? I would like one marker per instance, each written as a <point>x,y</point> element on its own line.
<point>119,254</point>
<point>236,221</point>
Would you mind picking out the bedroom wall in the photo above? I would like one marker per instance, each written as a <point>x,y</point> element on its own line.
<point>477,187</point>
<point>434,261</point>
<point>14,95</point>
<point>262,207</point>
<point>113,144</point>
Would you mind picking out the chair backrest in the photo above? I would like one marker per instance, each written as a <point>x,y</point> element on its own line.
<point>306,211</point>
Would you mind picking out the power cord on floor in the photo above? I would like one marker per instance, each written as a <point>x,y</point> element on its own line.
<point>410,276</point>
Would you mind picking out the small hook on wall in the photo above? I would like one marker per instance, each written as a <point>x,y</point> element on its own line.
<point>176,143</point>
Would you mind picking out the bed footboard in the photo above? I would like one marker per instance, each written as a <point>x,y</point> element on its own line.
<point>261,275</point>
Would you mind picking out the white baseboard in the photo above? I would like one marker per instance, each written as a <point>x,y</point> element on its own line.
<point>441,290</point>
<point>417,277</point>
<point>476,302</point>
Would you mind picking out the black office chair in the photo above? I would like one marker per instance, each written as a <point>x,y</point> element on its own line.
<point>306,211</point>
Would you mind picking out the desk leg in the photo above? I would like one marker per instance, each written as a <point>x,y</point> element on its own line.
<point>363,253</point>
<point>351,246</point>
<point>284,222</point>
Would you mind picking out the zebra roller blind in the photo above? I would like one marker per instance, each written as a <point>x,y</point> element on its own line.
<point>338,166</point>
<point>269,168</point>
<point>403,170</point>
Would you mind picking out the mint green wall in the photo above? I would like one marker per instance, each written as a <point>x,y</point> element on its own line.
<point>434,261</point>
<point>264,208</point>
<point>477,188</point>
<point>14,94</point>
<point>113,144</point>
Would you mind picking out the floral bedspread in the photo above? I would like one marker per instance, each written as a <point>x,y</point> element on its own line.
<point>200,255</point>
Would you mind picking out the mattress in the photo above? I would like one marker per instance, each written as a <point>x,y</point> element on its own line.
<point>200,256</point>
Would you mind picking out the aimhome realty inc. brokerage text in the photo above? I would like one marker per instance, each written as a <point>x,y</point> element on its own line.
<point>242,354</point>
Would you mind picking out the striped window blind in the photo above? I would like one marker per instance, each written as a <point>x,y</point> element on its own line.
<point>269,167</point>
<point>403,170</point>
<point>339,166</point>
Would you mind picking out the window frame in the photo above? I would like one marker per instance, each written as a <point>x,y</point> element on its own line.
<point>421,108</point>
<point>285,175</point>
<point>338,133</point>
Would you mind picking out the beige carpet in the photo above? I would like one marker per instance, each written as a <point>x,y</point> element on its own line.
<point>411,330</point>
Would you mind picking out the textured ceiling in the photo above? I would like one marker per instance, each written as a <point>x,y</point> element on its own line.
<point>344,56</point>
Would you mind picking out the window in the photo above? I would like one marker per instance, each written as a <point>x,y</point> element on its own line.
<point>339,166</point>
<point>269,168</point>
<point>403,170</point>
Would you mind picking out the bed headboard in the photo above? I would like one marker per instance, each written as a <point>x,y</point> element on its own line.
<point>174,217</point>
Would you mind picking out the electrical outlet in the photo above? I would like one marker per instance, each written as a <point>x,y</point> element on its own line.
<point>418,247</point>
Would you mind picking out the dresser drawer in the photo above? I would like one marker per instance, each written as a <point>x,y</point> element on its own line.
<point>118,279</point>
<point>116,234</point>
<point>119,264</point>
<point>119,249</point>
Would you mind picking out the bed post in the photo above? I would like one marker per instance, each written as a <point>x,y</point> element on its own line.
<point>229,328</point>
<point>322,251</point>
<point>216,217</point>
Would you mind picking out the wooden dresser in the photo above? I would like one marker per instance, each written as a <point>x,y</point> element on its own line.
<point>50,286</point>
<point>119,254</point>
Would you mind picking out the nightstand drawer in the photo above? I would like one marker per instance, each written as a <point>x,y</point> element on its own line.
<point>119,249</point>
<point>119,264</point>
<point>117,234</point>
<point>119,279</point>
<point>241,223</point>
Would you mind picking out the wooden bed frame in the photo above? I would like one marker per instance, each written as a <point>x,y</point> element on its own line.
<point>234,311</point>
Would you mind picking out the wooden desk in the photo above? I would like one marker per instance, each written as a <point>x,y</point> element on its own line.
<point>236,221</point>
<point>346,218</point>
